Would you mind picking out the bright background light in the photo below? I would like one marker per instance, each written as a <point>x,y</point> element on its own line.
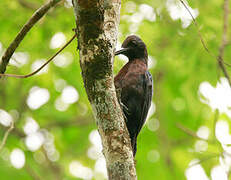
<point>37,97</point>
<point>58,40</point>
<point>37,64</point>
<point>80,171</point>
<point>69,95</point>
<point>17,158</point>
<point>5,118</point>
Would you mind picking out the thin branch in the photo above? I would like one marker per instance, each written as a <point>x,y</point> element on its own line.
<point>227,64</point>
<point>55,169</point>
<point>41,67</point>
<point>224,41</point>
<point>6,135</point>
<point>219,58</point>
<point>225,28</point>
<point>20,134</point>
<point>198,29</point>
<point>189,132</point>
<point>203,160</point>
<point>31,172</point>
<point>29,5</point>
<point>25,29</point>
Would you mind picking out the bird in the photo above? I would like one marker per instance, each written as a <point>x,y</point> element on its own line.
<point>134,86</point>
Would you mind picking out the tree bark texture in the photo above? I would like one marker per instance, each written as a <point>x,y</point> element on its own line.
<point>97,26</point>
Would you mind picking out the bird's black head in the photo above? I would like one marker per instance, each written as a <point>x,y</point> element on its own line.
<point>134,48</point>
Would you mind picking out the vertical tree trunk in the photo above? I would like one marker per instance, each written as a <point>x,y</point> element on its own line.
<point>97,25</point>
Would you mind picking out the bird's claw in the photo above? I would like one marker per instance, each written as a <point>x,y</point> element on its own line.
<point>124,106</point>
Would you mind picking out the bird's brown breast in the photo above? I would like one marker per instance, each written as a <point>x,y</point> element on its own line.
<point>129,73</point>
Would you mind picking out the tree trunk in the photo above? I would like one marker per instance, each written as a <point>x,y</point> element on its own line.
<point>97,25</point>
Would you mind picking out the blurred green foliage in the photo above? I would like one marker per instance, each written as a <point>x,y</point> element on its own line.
<point>180,65</point>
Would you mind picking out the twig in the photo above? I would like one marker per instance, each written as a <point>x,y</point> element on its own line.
<point>55,169</point>
<point>227,64</point>
<point>225,28</point>
<point>224,41</point>
<point>219,58</point>
<point>203,160</point>
<point>41,67</point>
<point>189,132</point>
<point>198,29</point>
<point>29,5</point>
<point>20,134</point>
<point>31,172</point>
<point>25,29</point>
<point>6,135</point>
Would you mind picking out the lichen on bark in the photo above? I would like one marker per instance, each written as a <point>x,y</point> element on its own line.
<point>97,25</point>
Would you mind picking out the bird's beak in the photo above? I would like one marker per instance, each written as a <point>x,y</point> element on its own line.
<point>121,51</point>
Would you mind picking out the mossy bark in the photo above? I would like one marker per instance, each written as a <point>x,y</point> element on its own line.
<point>97,26</point>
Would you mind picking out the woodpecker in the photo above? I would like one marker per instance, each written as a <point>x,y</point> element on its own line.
<point>133,85</point>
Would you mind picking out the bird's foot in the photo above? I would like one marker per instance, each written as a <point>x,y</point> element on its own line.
<point>125,108</point>
<point>124,116</point>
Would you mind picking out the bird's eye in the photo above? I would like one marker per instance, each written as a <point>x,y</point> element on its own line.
<point>133,43</point>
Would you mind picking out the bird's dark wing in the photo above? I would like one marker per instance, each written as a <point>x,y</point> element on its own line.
<point>148,91</point>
